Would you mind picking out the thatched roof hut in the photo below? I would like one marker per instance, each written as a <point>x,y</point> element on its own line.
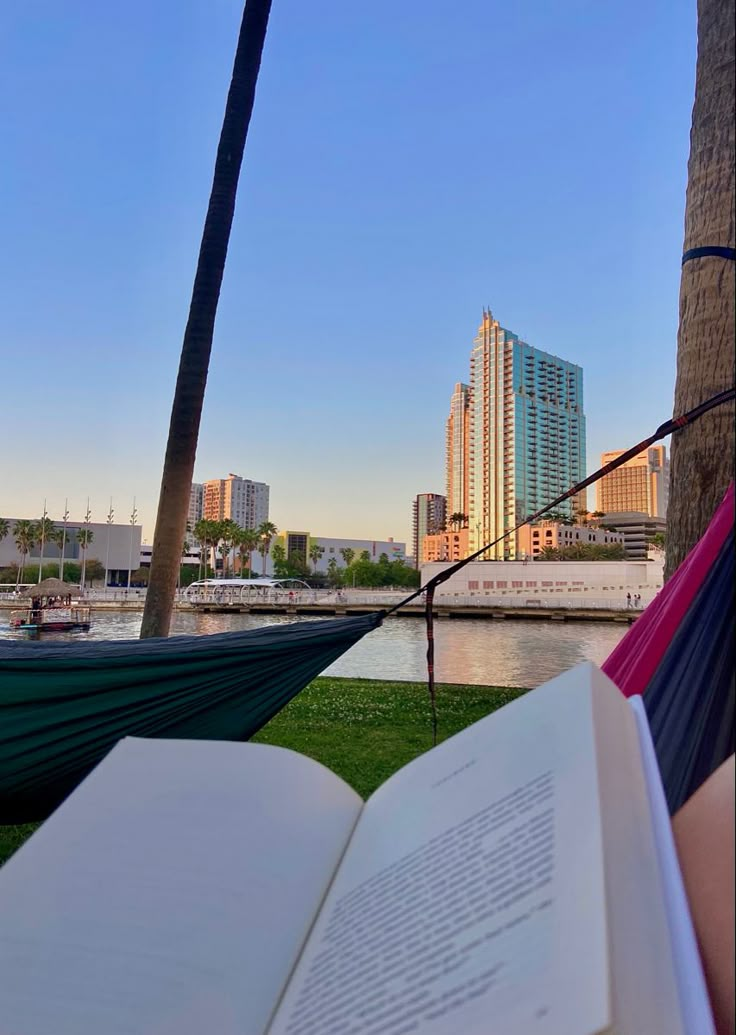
<point>52,588</point>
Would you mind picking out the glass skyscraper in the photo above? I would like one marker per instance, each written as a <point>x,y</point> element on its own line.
<point>527,434</point>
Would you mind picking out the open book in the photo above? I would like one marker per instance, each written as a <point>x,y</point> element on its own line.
<point>519,878</point>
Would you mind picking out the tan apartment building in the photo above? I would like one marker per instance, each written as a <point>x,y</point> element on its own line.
<point>641,485</point>
<point>445,546</point>
<point>236,499</point>
<point>533,539</point>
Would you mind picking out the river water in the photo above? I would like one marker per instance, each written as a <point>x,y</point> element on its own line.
<point>523,652</point>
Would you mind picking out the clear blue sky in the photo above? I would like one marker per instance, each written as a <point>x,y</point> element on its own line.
<point>407,163</point>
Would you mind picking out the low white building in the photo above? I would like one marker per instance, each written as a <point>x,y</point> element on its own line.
<point>553,583</point>
<point>116,546</point>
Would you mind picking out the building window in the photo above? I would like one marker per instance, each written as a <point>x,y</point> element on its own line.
<point>473,584</point>
<point>487,585</point>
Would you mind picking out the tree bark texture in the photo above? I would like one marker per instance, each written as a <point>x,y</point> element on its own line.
<point>702,463</point>
<point>181,447</point>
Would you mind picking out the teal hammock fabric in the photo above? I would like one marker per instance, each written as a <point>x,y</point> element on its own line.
<point>64,706</point>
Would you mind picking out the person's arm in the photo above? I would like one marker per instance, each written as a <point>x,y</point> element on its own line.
<point>704,835</point>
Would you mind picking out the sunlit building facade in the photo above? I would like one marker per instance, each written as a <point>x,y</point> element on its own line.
<point>458,452</point>
<point>527,435</point>
<point>445,546</point>
<point>238,499</point>
<point>640,485</point>
<point>429,515</point>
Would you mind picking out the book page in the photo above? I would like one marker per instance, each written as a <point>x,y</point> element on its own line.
<point>171,893</point>
<point>645,994</point>
<point>688,968</point>
<point>471,898</point>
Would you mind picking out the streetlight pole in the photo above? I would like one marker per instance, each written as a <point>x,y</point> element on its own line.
<point>63,539</point>
<point>85,543</point>
<point>110,516</point>
<point>133,517</point>
<point>43,540</point>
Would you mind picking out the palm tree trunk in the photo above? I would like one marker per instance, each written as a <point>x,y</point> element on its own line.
<point>703,455</point>
<point>186,411</point>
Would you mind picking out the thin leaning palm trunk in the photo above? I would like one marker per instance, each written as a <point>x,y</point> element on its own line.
<point>191,381</point>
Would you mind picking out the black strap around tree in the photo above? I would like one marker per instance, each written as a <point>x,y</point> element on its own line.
<point>717,251</point>
<point>668,428</point>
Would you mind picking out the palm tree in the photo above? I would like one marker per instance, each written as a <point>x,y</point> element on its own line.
<point>25,535</point>
<point>253,547</point>
<point>548,553</point>
<point>228,535</point>
<point>201,534</point>
<point>702,459</point>
<point>458,520</point>
<point>85,535</point>
<point>186,412</point>
<point>4,528</point>
<point>45,534</point>
<point>60,538</point>
<point>348,555</point>
<point>184,551</point>
<point>247,544</point>
<point>315,553</point>
<point>265,531</point>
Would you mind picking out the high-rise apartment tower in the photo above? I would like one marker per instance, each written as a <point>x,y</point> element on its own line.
<point>527,434</point>
<point>458,452</point>
<point>239,499</point>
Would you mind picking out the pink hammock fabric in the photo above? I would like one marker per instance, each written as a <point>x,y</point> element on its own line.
<point>634,661</point>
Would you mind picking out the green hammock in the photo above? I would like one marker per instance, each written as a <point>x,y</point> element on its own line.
<point>65,706</point>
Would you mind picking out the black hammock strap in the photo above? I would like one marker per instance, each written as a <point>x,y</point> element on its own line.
<point>669,427</point>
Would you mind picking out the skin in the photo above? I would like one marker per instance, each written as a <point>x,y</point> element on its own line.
<point>704,835</point>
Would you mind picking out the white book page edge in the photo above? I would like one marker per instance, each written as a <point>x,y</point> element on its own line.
<point>695,1004</point>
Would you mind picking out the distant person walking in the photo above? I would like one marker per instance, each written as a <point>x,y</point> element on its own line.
<point>628,600</point>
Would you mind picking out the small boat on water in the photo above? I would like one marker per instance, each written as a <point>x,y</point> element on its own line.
<point>52,609</point>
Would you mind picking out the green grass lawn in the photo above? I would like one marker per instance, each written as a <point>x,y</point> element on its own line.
<point>362,729</point>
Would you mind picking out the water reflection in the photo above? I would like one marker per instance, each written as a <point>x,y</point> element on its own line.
<point>478,650</point>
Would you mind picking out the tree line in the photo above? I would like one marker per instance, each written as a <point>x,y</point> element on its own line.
<point>227,540</point>
<point>583,552</point>
<point>29,534</point>
<point>359,570</point>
